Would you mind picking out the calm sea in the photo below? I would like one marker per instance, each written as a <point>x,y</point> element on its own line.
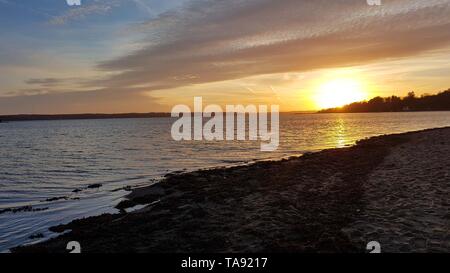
<point>40,160</point>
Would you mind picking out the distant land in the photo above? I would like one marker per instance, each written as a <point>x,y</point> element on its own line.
<point>81,116</point>
<point>33,117</point>
<point>410,103</point>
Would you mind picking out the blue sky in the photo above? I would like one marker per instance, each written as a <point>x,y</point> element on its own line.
<point>49,39</point>
<point>148,55</point>
<point>91,31</point>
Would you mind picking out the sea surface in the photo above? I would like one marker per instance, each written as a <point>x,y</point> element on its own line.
<point>42,163</point>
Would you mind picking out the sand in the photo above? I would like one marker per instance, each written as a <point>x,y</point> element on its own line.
<point>392,189</point>
<point>407,198</point>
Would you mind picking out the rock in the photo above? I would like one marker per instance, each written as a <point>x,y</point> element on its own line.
<point>36,236</point>
<point>56,198</point>
<point>126,204</point>
<point>5,210</point>
<point>125,188</point>
<point>22,209</point>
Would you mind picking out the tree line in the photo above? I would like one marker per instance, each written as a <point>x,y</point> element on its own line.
<point>438,102</point>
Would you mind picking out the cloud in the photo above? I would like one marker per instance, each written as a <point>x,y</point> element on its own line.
<point>208,41</point>
<point>146,7</point>
<point>80,12</point>
<point>44,82</point>
<point>49,86</point>
<point>98,7</point>
<point>213,40</point>
<point>106,101</point>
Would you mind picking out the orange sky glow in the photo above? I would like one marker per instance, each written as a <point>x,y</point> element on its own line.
<point>116,57</point>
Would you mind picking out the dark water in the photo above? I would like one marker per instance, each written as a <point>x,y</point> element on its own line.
<point>46,159</point>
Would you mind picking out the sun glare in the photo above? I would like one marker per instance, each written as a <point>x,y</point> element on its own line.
<point>339,92</point>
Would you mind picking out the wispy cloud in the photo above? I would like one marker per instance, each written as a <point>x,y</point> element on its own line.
<point>145,6</point>
<point>106,101</point>
<point>207,41</point>
<point>98,7</point>
<point>44,82</point>
<point>212,40</point>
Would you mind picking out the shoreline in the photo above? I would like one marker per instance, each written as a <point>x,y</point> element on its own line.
<point>94,116</point>
<point>308,203</point>
<point>44,117</point>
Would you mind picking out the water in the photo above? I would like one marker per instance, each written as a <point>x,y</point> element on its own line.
<point>44,159</point>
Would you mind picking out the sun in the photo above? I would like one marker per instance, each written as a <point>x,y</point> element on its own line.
<point>339,92</point>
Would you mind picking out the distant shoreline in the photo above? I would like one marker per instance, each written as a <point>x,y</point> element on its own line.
<point>32,117</point>
<point>35,117</point>
<point>38,117</point>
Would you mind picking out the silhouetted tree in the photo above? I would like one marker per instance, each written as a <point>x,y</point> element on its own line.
<point>438,102</point>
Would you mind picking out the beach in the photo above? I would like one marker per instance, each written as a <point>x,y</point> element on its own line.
<point>392,189</point>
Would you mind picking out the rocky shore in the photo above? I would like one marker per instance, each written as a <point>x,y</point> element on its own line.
<point>391,189</point>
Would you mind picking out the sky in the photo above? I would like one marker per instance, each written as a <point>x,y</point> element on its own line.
<point>117,56</point>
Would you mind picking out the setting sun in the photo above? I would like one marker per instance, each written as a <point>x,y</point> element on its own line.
<point>338,92</point>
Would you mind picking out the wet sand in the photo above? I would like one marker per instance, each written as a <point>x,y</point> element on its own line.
<point>392,189</point>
